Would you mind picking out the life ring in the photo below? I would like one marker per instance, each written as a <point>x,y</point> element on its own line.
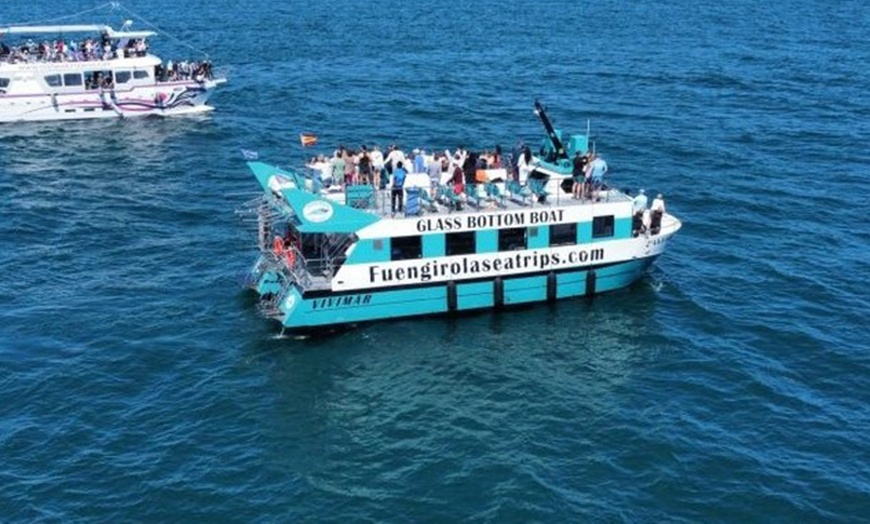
<point>290,257</point>
<point>278,246</point>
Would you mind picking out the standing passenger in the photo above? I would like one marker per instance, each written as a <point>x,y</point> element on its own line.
<point>658,210</point>
<point>377,167</point>
<point>419,160</point>
<point>398,188</point>
<point>578,175</point>
<point>338,166</point>
<point>597,168</point>
<point>435,172</point>
<point>365,166</point>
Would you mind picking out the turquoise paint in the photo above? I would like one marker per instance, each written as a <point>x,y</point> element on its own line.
<point>584,232</point>
<point>522,290</point>
<point>380,305</point>
<point>474,296</point>
<point>434,245</point>
<point>324,217</point>
<point>577,143</point>
<point>365,251</point>
<point>268,283</point>
<point>622,227</point>
<point>539,237</point>
<point>487,241</point>
<point>571,284</point>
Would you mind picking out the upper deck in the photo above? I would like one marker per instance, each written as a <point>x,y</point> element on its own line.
<point>420,196</point>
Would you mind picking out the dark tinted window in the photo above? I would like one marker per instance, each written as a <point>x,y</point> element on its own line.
<point>563,234</point>
<point>602,227</point>
<point>405,248</point>
<point>460,243</point>
<point>122,77</point>
<point>139,75</point>
<point>512,239</point>
<point>52,80</point>
<point>72,79</point>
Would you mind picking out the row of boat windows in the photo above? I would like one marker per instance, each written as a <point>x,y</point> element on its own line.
<point>95,79</point>
<point>509,239</point>
<point>88,79</point>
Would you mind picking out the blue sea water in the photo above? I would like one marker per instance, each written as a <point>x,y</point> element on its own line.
<point>731,384</point>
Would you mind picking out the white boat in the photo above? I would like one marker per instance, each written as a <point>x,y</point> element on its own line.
<point>64,72</point>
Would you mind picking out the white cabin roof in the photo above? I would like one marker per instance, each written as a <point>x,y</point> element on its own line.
<point>55,29</point>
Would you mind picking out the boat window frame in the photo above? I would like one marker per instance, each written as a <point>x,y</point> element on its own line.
<point>564,234</point>
<point>121,73</point>
<point>603,226</point>
<point>458,243</point>
<point>508,238</point>
<point>406,248</point>
<point>59,78</point>
<point>72,74</point>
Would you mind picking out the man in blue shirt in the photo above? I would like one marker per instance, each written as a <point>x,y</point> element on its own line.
<point>398,188</point>
<point>597,167</point>
<point>639,202</point>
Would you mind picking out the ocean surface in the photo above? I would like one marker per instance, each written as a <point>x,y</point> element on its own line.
<point>731,384</point>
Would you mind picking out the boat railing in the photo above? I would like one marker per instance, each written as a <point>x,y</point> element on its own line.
<point>260,214</point>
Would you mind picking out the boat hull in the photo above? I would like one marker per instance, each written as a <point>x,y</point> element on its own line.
<point>182,98</point>
<point>299,311</point>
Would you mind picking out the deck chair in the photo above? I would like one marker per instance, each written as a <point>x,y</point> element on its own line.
<point>538,190</point>
<point>427,202</point>
<point>495,194</point>
<point>450,199</point>
<point>520,194</point>
<point>471,195</point>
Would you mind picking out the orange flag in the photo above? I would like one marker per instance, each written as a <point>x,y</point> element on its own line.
<point>307,139</point>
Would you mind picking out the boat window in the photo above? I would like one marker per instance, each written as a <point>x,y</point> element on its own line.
<point>462,243</point>
<point>140,75</point>
<point>602,226</point>
<point>4,83</point>
<point>563,234</point>
<point>122,77</point>
<point>97,79</point>
<point>511,239</point>
<point>405,248</point>
<point>53,80</point>
<point>72,79</point>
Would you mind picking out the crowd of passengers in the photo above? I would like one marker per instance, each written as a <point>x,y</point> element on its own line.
<point>105,48</point>
<point>183,70</point>
<point>60,50</point>
<point>382,169</point>
<point>458,169</point>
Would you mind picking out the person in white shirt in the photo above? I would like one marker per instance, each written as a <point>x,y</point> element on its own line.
<point>658,204</point>
<point>377,166</point>
<point>395,156</point>
<point>657,211</point>
<point>524,165</point>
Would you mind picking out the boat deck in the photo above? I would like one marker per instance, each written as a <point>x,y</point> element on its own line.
<point>378,201</point>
